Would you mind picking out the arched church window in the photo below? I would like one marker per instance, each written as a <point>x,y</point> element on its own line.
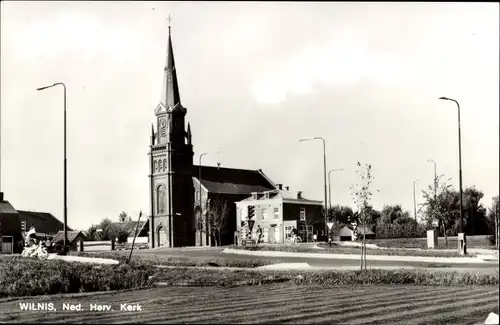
<point>159,165</point>
<point>165,164</point>
<point>156,166</point>
<point>161,199</point>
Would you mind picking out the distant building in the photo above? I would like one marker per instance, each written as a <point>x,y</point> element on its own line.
<point>277,212</point>
<point>75,240</point>
<point>346,233</point>
<point>14,222</point>
<point>130,227</point>
<point>10,228</point>
<point>43,222</point>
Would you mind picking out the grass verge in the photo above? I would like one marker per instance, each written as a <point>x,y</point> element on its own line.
<point>178,261</point>
<point>335,249</point>
<point>29,277</point>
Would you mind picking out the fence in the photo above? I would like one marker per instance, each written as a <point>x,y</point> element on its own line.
<point>98,246</point>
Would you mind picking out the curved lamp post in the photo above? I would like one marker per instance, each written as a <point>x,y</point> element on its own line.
<point>414,201</point>
<point>324,171</point>
<point>65,164</point>
<point>464,251</point>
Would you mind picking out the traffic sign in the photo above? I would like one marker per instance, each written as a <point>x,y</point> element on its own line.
<point>330,225</point>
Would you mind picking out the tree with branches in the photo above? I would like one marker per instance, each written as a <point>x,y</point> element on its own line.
<point>493,218</point>
<point>217,213</point>
<point>361,195</point>
<point>439,205</point>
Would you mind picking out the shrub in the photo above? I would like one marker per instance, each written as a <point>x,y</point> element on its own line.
<point>27,277</point>
<point>406,230</point>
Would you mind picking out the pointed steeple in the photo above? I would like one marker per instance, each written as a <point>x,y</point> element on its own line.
<point>170,96</point>
<point>152,134</point>
<point>189,134</point>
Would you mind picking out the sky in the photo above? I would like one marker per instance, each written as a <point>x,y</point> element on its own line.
<point>255,78</point>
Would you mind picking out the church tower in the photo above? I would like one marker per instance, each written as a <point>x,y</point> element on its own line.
<point>172,192</point>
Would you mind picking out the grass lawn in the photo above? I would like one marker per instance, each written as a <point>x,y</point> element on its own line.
<point>335,249</point>
<point>472,242</point>
<point>279,303</point>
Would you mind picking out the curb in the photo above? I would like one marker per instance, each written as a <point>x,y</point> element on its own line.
<point>428,259</point>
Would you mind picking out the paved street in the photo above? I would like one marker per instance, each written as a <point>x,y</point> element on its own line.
<point>314,262</point>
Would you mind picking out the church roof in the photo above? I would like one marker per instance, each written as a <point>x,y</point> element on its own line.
<point>233,181</point>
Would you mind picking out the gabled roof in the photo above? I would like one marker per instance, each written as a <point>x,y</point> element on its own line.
<point>42,221</point>
<point>72,235</point>
<point>129,226</point>
<point>233,181</point>
<point>6,207</point>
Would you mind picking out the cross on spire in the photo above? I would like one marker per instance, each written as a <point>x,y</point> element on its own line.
<point>169,19</point>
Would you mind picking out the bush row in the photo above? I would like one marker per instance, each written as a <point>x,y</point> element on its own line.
<point>408,230</point>
<point>330,278</point>
<point>28,277</point>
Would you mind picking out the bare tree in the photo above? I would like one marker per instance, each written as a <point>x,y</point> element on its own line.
<point>494,212</point>
<point>361,195</point>
<point>308,222</point>
<point>217,213</point>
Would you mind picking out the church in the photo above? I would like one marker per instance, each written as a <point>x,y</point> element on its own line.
<point>181,192</point>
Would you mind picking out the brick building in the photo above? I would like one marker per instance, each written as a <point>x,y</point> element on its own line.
<point>277,212</point>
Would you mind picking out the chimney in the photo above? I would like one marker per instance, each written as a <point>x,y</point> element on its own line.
<point>1,196</point>
<point>287,188</point>
<point>299,195</point>
<point>280,186</point>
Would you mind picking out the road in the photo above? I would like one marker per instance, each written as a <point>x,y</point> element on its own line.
<point>211,252</point>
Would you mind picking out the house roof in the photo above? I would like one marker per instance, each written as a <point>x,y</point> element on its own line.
<point>287,196</point>
<point>6,207</point>
<point>129,226</point>
<point>42,221</point>
<point>233,181</point>
<point>72,235</point>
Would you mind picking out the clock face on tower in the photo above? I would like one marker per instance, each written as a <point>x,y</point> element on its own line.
<point>163,130</point>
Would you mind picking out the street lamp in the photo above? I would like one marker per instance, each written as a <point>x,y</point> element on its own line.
<point>414,201</point>
<point>330,185</point>
<point>464,251</point>
<point>435,181</point>
<point>65,164</point>
<point>201,205</point>
<point>324,171</point>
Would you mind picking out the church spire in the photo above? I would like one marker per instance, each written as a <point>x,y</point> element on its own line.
<point>170,96</point>
<point>189,136</point>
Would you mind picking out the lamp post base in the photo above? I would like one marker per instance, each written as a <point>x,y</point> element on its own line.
<point>462,244</point>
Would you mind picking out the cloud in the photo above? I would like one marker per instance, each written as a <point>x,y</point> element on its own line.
<point>78,35</point>
<point>343,63</point>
